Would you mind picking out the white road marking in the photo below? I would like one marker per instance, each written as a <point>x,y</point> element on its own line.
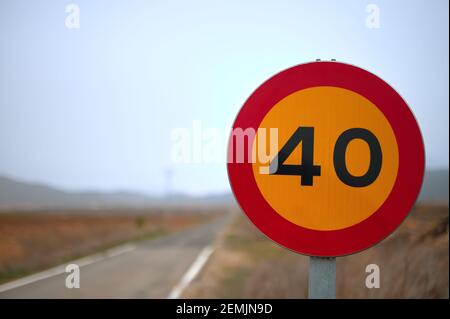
<point>110,253</point>
<point>191,273</point>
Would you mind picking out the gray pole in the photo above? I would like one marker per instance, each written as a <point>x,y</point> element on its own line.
<point>322,278</point>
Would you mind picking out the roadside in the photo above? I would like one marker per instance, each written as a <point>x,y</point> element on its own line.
<point>413,262</point>
<point>35,241</point>
<point>144,269</point>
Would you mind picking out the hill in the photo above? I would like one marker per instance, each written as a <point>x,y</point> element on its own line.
<point>18,194</point>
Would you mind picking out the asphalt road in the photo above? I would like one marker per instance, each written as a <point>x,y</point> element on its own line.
<point>150,269</point>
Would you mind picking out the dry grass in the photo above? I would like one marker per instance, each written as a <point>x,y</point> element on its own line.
<point>414,263</point>
<point>31,241</point>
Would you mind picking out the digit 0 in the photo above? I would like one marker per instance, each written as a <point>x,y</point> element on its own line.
<point>375,157</point>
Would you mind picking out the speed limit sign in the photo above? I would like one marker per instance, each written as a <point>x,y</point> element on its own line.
<point>326,159</point>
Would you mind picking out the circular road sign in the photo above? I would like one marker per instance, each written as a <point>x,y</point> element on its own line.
<point>326,159</point>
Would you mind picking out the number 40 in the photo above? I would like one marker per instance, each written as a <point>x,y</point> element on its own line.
<point>307,170</point>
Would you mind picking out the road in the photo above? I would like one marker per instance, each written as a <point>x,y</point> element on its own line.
<point>148,269</point>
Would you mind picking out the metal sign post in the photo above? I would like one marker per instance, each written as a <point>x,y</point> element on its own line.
<point>322,278</point>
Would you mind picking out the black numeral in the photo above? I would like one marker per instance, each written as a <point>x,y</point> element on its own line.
<point>307,169</point>
<point>375,157</point>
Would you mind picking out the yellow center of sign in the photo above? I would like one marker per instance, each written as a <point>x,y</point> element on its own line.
<point>329,203</point>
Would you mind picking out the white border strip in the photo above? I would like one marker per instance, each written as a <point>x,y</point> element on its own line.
<point>110,253</point>
<point>192,272</point>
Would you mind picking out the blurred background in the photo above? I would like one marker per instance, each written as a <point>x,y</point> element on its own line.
<point>113,125</point>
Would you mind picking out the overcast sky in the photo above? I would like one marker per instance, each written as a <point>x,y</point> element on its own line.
<point>94,107</point>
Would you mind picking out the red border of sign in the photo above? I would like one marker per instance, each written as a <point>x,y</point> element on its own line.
<point>404,192</point>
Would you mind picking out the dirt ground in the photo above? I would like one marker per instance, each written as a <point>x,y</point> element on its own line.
<point>413,263</point>
<point>32,241</point>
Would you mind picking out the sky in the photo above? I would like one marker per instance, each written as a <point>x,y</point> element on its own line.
<point>95,107</point>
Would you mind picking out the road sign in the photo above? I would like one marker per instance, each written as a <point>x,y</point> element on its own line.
<point>326,159</point>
